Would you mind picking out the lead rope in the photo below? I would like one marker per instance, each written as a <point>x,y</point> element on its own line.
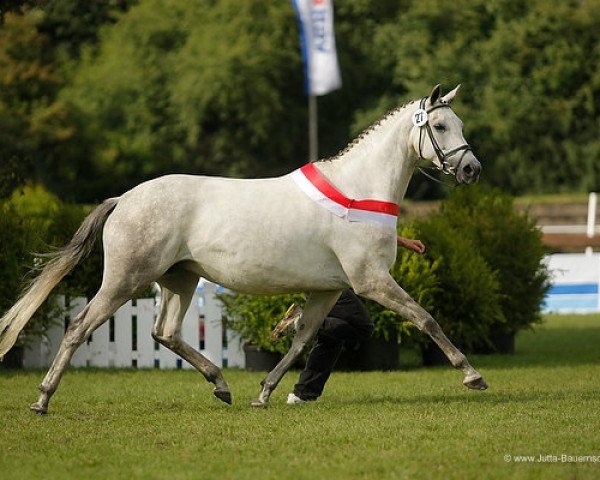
<point>437,180</point>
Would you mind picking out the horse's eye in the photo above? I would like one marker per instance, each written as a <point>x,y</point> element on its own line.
<point>439,127</point>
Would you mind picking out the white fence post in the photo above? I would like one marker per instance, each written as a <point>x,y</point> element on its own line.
<point>236,358</point>
<point>121,351</point>
<point>591,220</point>
<point>212,310</point>
<point>99,347</point>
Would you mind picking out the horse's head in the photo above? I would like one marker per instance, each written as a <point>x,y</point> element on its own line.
<point>438,137</point>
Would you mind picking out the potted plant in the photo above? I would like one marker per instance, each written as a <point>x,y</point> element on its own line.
<point>254,317</point>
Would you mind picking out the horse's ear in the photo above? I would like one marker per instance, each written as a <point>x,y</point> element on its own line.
<point>450,95</point>
<point>435,94</point>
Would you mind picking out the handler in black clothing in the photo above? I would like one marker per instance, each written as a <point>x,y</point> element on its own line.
<point>348,320</point>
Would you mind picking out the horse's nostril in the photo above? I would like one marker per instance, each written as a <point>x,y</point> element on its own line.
<point>470,171</point>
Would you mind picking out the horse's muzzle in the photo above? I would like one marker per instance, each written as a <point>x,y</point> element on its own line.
<point>469,170</point>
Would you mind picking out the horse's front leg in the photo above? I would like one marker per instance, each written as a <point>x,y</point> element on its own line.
<point>318,305</point>
<point>389,294</point>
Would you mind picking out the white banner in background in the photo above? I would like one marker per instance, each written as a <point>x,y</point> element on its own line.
<point>317,39</point>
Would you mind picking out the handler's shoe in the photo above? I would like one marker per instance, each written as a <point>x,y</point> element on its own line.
<point>288,324</point>
<point>294,400</point>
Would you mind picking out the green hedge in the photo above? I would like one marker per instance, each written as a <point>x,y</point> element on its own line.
<point>33,222</point>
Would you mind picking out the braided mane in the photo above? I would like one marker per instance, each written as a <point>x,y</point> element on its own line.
<point>365,133</point>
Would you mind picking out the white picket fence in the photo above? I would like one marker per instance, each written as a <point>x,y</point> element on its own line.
<point>125,341</point>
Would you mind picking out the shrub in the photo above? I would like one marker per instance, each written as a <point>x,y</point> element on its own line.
<point>512,246</point>
<point>468,300</point>
<point>52,225</point>
<point>32,222</point>
<point>85,279</point>
<point>255,316</point>
<point>18,241</point>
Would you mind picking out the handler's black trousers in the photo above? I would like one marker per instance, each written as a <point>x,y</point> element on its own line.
<point>348,321</point>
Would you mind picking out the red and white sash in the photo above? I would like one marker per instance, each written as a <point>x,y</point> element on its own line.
<point>311,182</point>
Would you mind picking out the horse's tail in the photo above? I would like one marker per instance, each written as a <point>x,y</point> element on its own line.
<point>61,263</point>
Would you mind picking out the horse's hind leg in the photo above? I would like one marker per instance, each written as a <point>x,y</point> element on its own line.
<point>317,306</point>
<point>177,289</point>
<point>96,312</point>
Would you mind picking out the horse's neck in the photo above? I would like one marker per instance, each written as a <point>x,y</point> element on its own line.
<point>378,166</point>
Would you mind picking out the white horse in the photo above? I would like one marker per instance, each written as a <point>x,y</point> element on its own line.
<point>321,229</point>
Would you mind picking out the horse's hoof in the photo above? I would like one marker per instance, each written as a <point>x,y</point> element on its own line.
<point>223,395</point>
<point>475,383</point>
<point>259,404</point>
<point>39,409</point>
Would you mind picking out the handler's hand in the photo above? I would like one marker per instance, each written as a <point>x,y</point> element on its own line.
<point>412,245</point>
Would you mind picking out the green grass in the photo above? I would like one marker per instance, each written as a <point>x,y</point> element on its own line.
<point>417,423</point>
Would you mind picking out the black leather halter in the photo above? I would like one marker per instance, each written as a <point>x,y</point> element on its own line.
<point>441,155</point>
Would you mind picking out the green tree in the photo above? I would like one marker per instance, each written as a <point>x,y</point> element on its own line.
<point>530,76</point>
<point>541,96</point>
<point>39,137</point>
<point>192,87</point>
<point>118,92</point>
<point>72,24</point>
<point>32,122</point>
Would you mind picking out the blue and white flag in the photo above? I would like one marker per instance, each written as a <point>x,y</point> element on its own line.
<point>322,71</point>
